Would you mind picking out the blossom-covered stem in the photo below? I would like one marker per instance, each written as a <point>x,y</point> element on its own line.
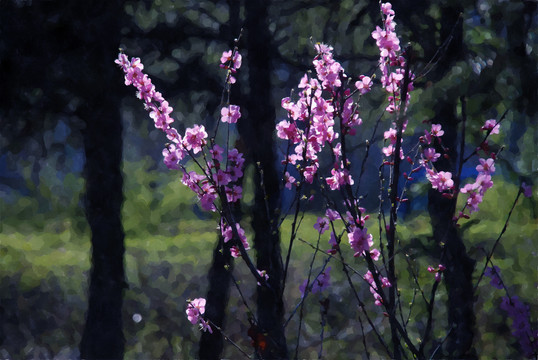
<point>294,226</point>
<point>488,133</point>
<point>348,191</point>
<point>488,258</point>
<point>391,306</point>
<point>227,214</point>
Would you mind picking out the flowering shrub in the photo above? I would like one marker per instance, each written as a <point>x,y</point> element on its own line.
<point>320,124</point>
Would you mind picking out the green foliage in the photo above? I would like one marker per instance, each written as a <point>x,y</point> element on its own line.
<point>44,263</point>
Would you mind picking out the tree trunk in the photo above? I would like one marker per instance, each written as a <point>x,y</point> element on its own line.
<point>98,27</point>
<point>257,131</point>
<point>211,345</point>
<point>459,266</point>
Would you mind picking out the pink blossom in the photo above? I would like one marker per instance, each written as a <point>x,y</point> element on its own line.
<point>230,114</point>
<point>468,188</point>
<point>436,130</point>
<point>232,56</point>
<point>321,225</point>
<point>122,61</point>
<point>431,155</point>
<point>204,326</point>
<point>437,271</point>
<point>133,72</point>
<point>491,125</point>
<point>486,166</point>
<point>441,181</point>
<point>387,9</point>
<point>221,178</point>
<point>427,138</point>
<point>474,199</point>
<point>194,138</point>
<point>289,180</point>
<point>364,84</point>
<point>332,214</point>
<point>263,274</point>
<point>227,234</point>
<point>173,135</point>
<point>388,150</point>
<point>360,240</point>
<point>172,156</point>
<point>207,200</point>
<point>233,194</point>
<point>373,287</point>
<point>216,152</point>
<point>340,177</point>
<point>483,182</point>
<point>146,90</point>
<point>309,173</point>
<point>390,134</point>
<point>374,254</point>
<point>287,130</point>
<point>332,241</point>
<point>195,309</point>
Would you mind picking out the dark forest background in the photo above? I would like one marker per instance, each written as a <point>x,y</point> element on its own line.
<point>90,218</point>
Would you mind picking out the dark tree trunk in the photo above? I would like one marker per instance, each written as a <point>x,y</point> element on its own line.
<point>458,275</point>
<point>459,266</point>
<point>97,29</point>
<point>257,131</point>
<point>211,345</point>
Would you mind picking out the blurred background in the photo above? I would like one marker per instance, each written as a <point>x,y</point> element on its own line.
<point>65,117</point>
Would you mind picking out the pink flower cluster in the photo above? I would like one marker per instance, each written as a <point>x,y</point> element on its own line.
<point>389,49</point>
<point>440,180</point>
<point>231,60</point>
<point>475,191</point>
<point>360,241</point>
<point>311,120</point>
<point>195,310</point>
<point>227,234</point>
<point>373,287</point>
<point>437,271</point>
<point>155,104</point>
<point>194,141</point>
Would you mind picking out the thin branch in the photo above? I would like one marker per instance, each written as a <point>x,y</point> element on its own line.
<point>488,258</point>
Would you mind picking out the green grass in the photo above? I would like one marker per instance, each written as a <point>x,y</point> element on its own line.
<point>44,266</point>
